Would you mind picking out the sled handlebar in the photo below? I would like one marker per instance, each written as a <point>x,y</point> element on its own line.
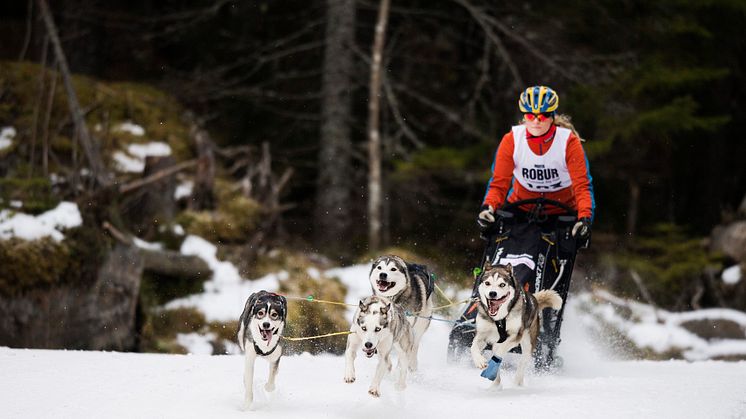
<point>540,204</point>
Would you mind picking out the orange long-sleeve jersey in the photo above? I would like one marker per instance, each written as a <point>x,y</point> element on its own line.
<point>502,187</point>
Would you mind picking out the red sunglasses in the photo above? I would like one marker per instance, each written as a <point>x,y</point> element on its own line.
<point>541,116</point>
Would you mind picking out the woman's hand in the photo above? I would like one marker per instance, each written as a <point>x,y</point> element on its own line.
<point>486,217</point>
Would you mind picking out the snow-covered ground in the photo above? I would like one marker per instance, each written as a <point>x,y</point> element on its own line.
<point>74,384</point>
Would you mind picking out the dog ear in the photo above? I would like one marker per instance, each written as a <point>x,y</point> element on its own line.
<point>385,309</point>
<point>509,267</point>
<point>284,305</point>
<point>362,306</point>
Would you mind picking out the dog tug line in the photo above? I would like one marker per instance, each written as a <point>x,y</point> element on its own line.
<point>312,299</point>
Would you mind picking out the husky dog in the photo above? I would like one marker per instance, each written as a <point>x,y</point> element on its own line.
<point>379,326</point>
<point>259,332</point>
<point>508,315</point>
<point>410,286</point>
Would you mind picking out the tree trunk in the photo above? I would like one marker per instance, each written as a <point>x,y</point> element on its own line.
<point>634,205</point>
<point>374,136</point>
<point>332,216</point>
<point>91,151</point>
<point>203,196</point>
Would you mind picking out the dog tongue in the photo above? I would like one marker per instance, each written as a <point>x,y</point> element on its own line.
<point>266,334</point>
<point>384,285</point>
<point>494,305</point>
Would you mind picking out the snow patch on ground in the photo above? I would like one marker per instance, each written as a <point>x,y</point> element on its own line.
<point>226,292</point>
<point>6,137</point>
<point>732,275</point>
<point>661,330</point>
<point>184,190</point>
<point>195,343</point>
<point>28,227</point>
<point>141,151</point>
<point>134,160</point>
<point>130,128</point>
<point>142,244</point>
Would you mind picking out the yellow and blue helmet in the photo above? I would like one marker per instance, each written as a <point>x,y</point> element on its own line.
<point>538,99</point>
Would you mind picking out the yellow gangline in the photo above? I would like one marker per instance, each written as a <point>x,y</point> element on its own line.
<point>317,336</point>
<point>311,299</point>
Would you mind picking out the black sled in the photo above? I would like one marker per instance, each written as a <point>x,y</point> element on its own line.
<point>542,250</point>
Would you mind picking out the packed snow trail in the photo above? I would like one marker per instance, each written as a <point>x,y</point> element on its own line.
<point>76,384</point>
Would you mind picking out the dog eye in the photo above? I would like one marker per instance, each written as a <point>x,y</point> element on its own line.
<point>365,329</point>
<point>260,313</point>
<point>393,269</point>
<point>487,283</point>
<point>378,329</point>
<point>273,315</point>
<point>503,285</point>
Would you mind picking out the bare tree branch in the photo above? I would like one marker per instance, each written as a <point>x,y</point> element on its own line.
<point>94,158</point>
<point>484,21</point>
<point>129,187</point>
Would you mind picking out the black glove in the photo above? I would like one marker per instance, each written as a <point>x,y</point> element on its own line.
<point>486,217</point>
<point>582,229</point>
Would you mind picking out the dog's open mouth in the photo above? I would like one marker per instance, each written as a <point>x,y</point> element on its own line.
<point>384,285</point>
<point>370,352</point>
<point>493,304</point>
<point>266,334</point>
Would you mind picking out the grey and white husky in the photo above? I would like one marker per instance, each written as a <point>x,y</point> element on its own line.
<point>259,333</point>
<point>379,326</point>
<point>508,315</point>
<point>409,286</point>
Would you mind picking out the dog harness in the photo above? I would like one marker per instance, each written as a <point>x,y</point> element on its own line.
<point>501,330</point>
<point>500,324</point>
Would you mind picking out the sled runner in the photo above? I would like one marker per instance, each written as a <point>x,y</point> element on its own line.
<point>542,250</point>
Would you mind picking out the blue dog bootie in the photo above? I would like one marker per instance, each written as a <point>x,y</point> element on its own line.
<point>493,368</point>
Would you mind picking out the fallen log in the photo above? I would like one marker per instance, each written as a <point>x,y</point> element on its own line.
<point>168,263</point>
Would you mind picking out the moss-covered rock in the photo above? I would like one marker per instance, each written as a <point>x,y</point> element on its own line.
<point>108,104</point>
<point>32,264</point>
<point>158,333</point>
<point>233,221</point>
<point>35,193</point>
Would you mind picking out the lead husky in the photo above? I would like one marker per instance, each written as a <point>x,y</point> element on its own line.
<point>410,286</point>
<point>508,316</point>
<point>264,318</point>
<point>379,326</point>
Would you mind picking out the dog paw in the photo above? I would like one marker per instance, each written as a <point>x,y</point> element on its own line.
<point>480,363</point>
<point>269,387</point>
<point>374,392</point>
<point>349,379</point>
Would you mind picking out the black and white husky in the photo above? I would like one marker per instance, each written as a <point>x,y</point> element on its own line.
<point>411,287</point>
<point>379,326</point>
<point>508,315</point>
<point>259,332</point>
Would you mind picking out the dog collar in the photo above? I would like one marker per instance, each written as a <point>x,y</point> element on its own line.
<point>262,353</point>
